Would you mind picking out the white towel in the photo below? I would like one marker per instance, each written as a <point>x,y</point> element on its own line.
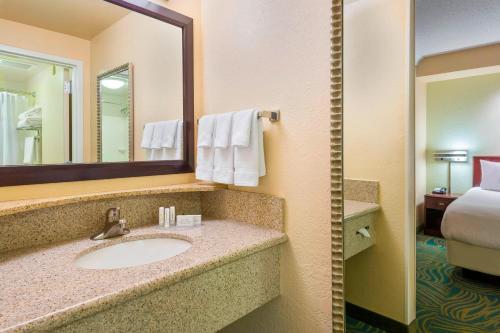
<point>206,127</point>
<point>169,131</point>
<point>29,122</point>
<point>223,156</point>
<point>242,124</point>
<point>147,135</point>
<point>249,162</point>
<point>157,135</point>
<point>29,150</point>
<point>177,151</point>
<point>205,155</point>
<point>35,112</point>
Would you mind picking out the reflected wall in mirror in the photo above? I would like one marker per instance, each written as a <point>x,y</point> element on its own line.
<point>49,68</point>
<point>115,115</point>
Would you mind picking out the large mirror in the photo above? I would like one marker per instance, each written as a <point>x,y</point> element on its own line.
<point>111,82</point>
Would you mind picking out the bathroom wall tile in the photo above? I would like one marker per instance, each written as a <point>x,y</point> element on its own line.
<point>254,208</point>
<point>361,190</point>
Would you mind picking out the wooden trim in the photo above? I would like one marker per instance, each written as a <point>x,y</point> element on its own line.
<point>476,167</point>
<point>377,320</point>
<point>42,174</point>
<point>336,165</point>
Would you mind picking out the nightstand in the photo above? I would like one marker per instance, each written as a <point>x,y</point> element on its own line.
<point>435,206</point>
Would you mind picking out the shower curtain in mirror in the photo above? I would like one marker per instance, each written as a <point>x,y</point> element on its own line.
<point>10,105</point>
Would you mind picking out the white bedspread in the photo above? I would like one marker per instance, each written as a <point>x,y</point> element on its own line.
<point>474,218</point>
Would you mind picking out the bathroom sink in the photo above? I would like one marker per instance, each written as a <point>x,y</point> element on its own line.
<point>133,253</point>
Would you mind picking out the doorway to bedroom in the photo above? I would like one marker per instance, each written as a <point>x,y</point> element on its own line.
<point>457,166</point>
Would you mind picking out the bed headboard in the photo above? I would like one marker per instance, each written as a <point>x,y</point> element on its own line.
<point>476,173</point>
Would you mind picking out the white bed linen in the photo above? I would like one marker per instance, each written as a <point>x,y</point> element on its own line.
<point>474,218</point>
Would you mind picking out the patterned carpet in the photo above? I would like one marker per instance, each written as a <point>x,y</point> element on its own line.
<point>447,302</point>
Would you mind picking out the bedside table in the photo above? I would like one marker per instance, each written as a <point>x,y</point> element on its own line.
<point>435,206</point>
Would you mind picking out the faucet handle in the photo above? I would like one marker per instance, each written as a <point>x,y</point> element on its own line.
<point>113,214</point>
<point>123,223</point>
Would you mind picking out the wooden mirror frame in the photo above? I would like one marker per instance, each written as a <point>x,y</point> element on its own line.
<point>54,173</point>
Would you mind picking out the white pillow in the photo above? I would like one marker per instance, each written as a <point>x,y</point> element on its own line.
<point>490,175</point>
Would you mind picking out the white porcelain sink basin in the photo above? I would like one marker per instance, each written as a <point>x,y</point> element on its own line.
<point>133,253</point>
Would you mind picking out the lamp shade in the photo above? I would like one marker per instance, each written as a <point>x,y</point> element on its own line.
<point>451,155</point>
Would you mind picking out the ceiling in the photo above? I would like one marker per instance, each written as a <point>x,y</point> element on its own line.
<point>80,18</point>
<point>448,25</point>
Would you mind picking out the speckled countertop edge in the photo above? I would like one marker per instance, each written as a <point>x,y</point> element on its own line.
<point>21,206</point>
<point>89,307</point>
<point>354,209</point>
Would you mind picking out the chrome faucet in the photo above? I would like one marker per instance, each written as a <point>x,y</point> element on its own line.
<point>113,227</point>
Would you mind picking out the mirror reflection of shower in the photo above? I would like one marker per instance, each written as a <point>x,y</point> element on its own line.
<point>35,111</point>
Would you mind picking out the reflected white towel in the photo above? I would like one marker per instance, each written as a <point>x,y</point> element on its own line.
<point>29,150</point>
<point>29,122</point>
<point>175,153</point>
<point>242,124</point>
<point>157,135</point>
<point>249,162</point>
<point>168,133</point>
<point>205,155</point>
<point>35,112</point>
<point>223,155</point>
<point>147,135</point>
<point>206,128</point>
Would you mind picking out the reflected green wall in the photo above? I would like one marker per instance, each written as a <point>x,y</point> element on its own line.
<point>462,114</point>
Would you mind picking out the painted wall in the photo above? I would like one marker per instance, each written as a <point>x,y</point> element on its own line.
<point>462,114</point>
<point>275,55</point>
<point>57,44</point>
<point>155,51</point>
<point>190,8</point>
<point>49,89</point>
<point>377,115</point>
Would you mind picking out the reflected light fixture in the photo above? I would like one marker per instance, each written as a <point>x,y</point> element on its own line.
<point>113,84</point>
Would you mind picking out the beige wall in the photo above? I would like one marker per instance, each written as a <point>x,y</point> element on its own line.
<point>477,57</point>
<point>461,114</point>
<point>155,51</point>
<point>56,44</point>
<point>275,55</point>
<point>377,118</point>
<point>48,86</point>
<point>190,8</point>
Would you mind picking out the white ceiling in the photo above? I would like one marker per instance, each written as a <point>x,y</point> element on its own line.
<point>448,25</point>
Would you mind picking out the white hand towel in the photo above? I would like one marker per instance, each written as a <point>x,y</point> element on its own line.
<point>242,124</point>
<point>175,153</point>
<point>29,150</point>
<point>249,162</point>
<point>169,131</point>
<point>223,156</point>
<point>206,128</point>
<point>157,135</point>
<point>147,135</point>
<point>205,155</point>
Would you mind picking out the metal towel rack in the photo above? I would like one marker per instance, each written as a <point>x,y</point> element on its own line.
<point>272,115</point>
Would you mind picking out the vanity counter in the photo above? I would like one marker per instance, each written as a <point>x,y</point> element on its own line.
<point>354,209</point>
<point>42,289</point>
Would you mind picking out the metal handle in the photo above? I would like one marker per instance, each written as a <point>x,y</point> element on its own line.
<point>113,214</point>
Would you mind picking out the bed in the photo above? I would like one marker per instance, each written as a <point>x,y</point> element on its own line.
<point>471,226</point>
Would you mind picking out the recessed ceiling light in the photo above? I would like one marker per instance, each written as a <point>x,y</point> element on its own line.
<point>113,84</point>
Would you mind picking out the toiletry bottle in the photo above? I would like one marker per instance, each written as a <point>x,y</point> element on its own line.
<point>172,216</point>
<point>161,216</point>
<point>167,218</point>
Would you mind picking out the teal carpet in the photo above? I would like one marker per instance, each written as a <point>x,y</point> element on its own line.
<point>447,302</point>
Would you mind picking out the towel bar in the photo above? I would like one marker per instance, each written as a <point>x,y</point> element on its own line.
<point>273,116</point>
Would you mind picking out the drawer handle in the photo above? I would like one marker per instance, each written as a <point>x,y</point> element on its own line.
<point>364,232</point>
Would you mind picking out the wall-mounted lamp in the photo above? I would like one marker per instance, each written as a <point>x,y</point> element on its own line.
<point>451,156</point>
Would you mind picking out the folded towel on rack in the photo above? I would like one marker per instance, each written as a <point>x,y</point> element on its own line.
<point>147,135</point>
<point>205,151</point>
<point>29,150</point>
<point>242,124</point>
<point>169,131</point>
<point>206,128</point>
<point>249,161</point>
<point>30,123</point>
<point>35,112</point>
<point>177,151</point>
<point>223,155</point>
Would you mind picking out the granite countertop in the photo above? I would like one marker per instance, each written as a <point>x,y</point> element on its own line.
<point>353,208</point>
<point>43,289</point>
<point>20,206</point>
